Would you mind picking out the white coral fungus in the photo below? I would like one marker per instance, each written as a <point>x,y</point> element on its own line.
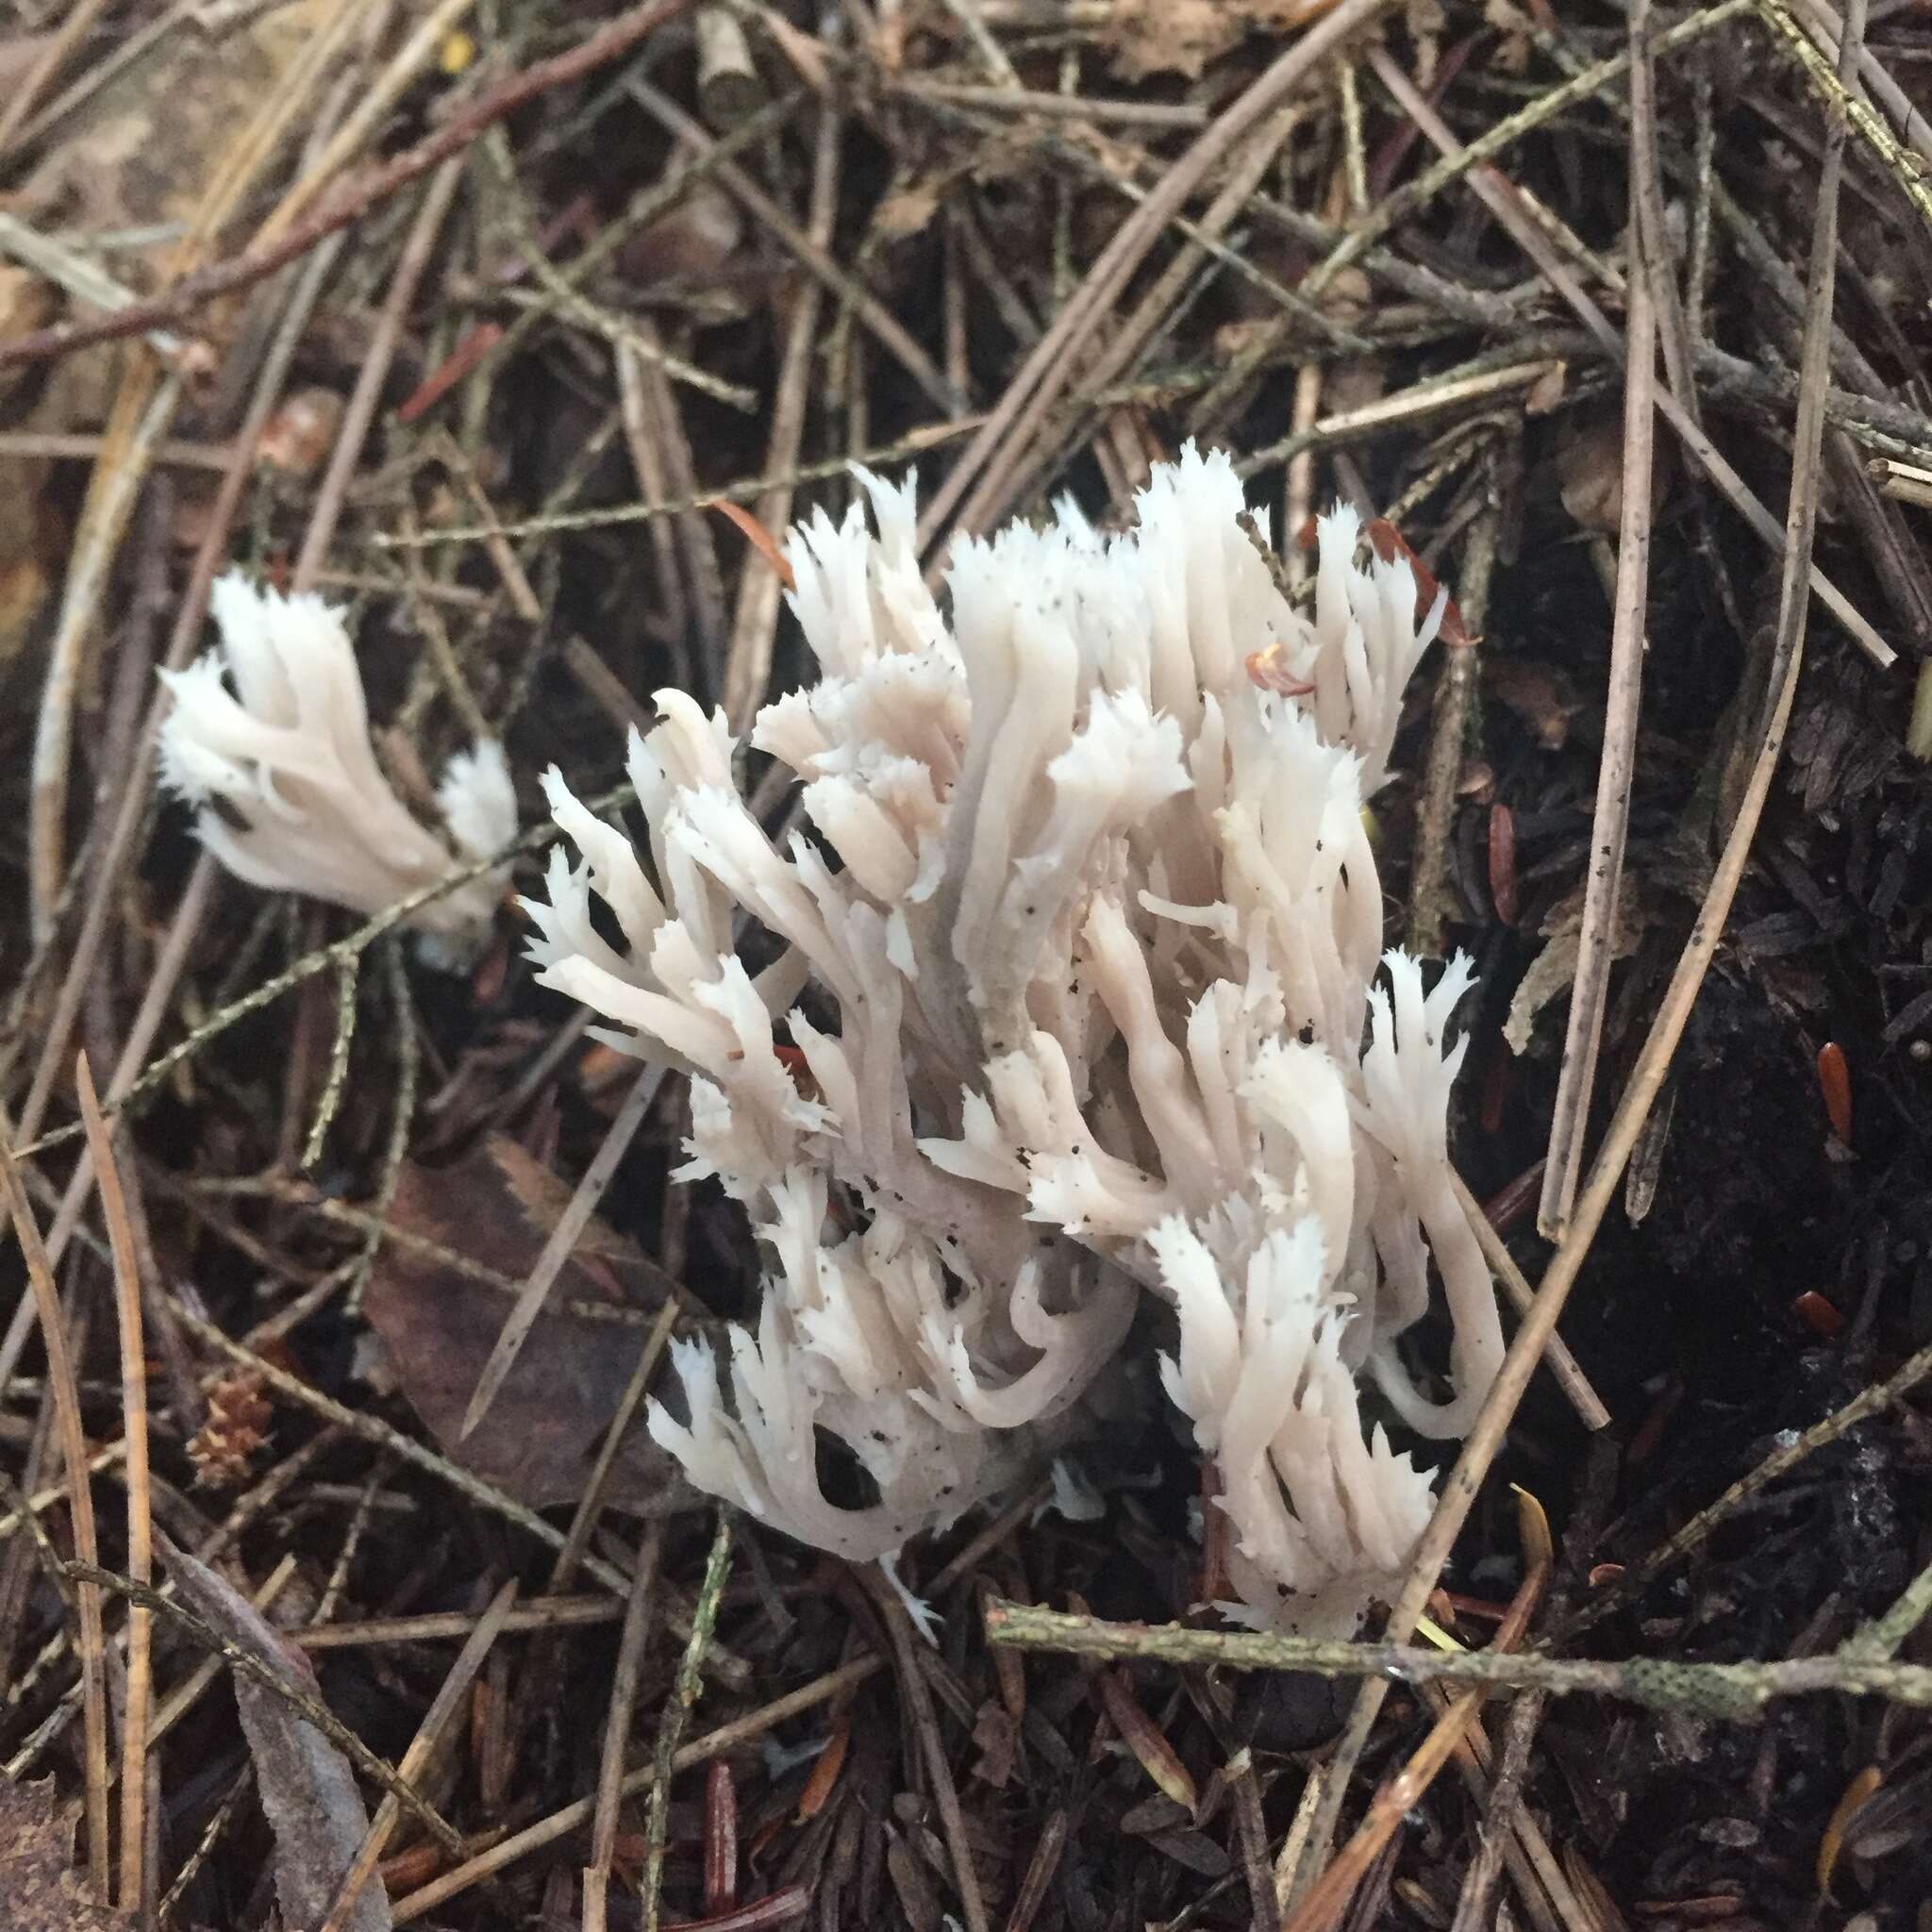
<point>289,793</point>
<point>1075,962</point>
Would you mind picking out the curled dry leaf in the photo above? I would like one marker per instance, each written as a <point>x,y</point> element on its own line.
<point>495,1208</point>
<point>308,1791</point>
<point>43,1891</point>
<point>909,210</point>
<point>1590,472</point>
<point>996,1738</point>
<point>1145,1739</point>
<point>297,437</point>
<point>1540,696</point>
<point>1553,971</point>
<point>689,247</point>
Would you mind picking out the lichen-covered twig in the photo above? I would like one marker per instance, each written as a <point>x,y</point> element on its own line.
<point>1735,1691</point>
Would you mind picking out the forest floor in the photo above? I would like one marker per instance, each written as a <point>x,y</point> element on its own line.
<point>471,315</point>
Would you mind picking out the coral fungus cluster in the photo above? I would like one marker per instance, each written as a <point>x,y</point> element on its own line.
<point>289,793</point>
<point>1074,996</point>
<point>1067,987</point>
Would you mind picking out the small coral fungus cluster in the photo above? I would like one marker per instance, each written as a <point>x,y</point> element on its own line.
<point>1070,987</point>
<point>1076,963</point>
<point>290,792</point>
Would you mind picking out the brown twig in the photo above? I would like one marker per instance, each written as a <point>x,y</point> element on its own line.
<point>1429,901</point>
<point>1564,1366</point>
<point>140,1491</point>
<point>623,1690</point>
<point>1609,829</point>
<point>360,414</point>
<point>938,1769</point>
<point>65,1389</point>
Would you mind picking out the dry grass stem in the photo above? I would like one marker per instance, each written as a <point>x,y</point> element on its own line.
<point>64,1392</point>
<point>616,1723</point>
<point>128,1302</point>
<point>1617,769</point>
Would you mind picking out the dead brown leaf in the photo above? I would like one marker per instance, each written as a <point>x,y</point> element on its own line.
<point>42,1890</point>
<point>908,208</point>
<point>143,148</point>
<point>996,1738</point>
<point>541,1437</point>
<point>1150,37</point>
<point>1543,697</point>
<point>1183,36</point>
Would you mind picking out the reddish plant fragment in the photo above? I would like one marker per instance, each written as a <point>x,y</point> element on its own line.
<point>1503,891</point>
<point>825,1772</point>
<point>575,221</point>
<point>1479,1608</point>
<point>1267,672</point>
<point>1388,542</point>
<point>762,1840</point>
<point>1650,1431</point>
<point>472,346</point>
<point>1835,1083</point>
<point>1041,1868</point>
<point>412,1869</point>
<point>491,972</point>
<point>721,1839</point>
<point>761,539</point>
<point>1387,162</point>
<point>1509,1205</point>
<point>1832,1842</point>
<point>1821,1316</point>
<point>791,1059</point>
<point>780,1908</point>
<point>1214,1532</point>
<point>1144,1738</point>
<point>1499,1076</point>
<point>1716,1907</point>
<point>1007,1670</point>
<point>1602,1573</point>
<point>996,1737</point>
